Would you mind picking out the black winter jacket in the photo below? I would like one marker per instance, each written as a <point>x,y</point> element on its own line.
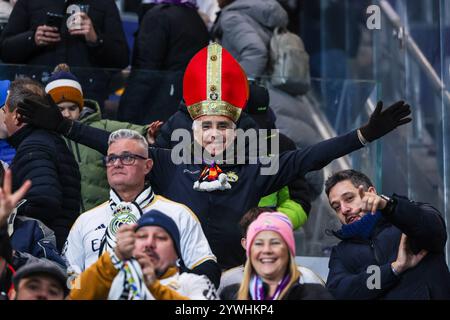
<point>168,37</point>
<point>54,197</point>
<point>18,45</point>
<point>430,279</point>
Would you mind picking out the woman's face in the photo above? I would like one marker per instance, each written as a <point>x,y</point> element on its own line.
<point>269,255</point>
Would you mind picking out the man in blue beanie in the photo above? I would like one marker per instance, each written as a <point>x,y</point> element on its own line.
<point>391,248</point>
<point>143,266</point>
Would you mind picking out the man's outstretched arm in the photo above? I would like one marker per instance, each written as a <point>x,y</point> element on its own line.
<point>48,116</point>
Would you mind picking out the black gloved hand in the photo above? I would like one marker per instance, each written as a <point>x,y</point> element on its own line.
<point>383,122</point>
<point>46,116</point>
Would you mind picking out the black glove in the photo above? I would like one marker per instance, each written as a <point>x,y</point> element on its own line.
<point>383,122</point>
<point>46,116</point>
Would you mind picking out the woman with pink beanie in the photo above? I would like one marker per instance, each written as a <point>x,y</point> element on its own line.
<point>270,272</point>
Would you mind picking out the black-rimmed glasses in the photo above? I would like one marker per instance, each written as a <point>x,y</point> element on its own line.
<point>126,159</point>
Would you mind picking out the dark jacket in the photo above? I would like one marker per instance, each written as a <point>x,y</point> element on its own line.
<point>31,236</point>
<point>168,37</point>
<point>306,291</point>
<point>18,45</point>
<point>54,197</point>
<point>425,229</point>
<point>220,211</point>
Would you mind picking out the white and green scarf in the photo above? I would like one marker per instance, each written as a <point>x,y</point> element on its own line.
<point>122,212</point>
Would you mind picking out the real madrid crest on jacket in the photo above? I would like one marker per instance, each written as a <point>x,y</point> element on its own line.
<point>94,232</point>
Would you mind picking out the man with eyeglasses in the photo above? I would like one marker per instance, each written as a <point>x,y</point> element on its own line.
<point>127,164</point>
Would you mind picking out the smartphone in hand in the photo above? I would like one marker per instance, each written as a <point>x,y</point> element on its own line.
<point>54,20</point>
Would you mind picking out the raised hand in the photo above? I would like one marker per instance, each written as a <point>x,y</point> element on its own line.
<point>406,259</point>
<point>8,200</point>
<point>370,201</point>
<point>126,238</point>
<point>153,130</point>
<point>46,35</point>
<point>383,122</point>
<point>83,27</point>
<point>148,269</point>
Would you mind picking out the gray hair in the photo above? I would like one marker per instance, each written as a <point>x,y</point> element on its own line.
<point>127,134</point>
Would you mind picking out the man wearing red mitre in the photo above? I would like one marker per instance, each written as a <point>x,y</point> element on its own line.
<point>215,90</point>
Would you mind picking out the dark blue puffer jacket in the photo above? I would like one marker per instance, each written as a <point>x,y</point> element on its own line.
<point>430,279</point>
<point>54,197</point>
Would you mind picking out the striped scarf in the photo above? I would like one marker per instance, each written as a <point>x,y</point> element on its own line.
<point>258,289</point>
<point>122,212</point>
<point>129,283</point>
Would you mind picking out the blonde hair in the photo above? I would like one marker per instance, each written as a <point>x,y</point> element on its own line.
<point>243,293</point>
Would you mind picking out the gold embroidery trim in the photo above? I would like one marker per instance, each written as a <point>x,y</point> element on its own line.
<point>214,108</point>
<point>214,73</point>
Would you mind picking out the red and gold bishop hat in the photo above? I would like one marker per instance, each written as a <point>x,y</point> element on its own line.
<point>215,84</point>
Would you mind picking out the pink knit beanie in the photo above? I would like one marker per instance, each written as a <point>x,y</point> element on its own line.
<point>272,221</point>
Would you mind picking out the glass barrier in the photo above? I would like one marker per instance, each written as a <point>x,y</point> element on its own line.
<point>410,64</point>
<point>403,47</point>
<point>341,106</point>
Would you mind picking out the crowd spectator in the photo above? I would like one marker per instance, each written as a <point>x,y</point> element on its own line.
<point>170,34</point>
<point>89,40</point>
<point>94,233</point>
<point>398,241</point>
<point>43,158</point>
<point>294,201</point>
<point>151,249</point>
<point>67,92</point>
<point>40,280</point>
<point>270,272</point>
<point>98,41</point>
<point>232,278</point>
